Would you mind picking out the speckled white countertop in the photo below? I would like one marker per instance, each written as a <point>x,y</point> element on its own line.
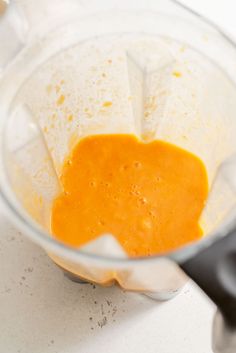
<point>43,312</point>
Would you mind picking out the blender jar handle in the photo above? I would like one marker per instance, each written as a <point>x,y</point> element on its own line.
<point>214,270</point>
<point>22,21</point>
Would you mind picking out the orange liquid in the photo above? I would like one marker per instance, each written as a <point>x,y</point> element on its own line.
<point>148,195</point>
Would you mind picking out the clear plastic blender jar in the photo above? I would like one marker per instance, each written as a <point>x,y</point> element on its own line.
<point>169,75</point>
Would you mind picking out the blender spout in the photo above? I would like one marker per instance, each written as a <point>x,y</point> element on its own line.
<point>13,32</point>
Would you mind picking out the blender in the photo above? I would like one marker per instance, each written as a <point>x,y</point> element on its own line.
<point>170,75</point>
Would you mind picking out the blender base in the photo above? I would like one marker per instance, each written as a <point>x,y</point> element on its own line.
<point>162,296</point>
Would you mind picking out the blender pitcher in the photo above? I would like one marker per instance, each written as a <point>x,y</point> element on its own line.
<point>167,74</point>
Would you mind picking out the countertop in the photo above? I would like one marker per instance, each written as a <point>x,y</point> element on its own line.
<point>41,311</point>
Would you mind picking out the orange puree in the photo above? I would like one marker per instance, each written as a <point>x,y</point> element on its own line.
<point>148,195</point>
